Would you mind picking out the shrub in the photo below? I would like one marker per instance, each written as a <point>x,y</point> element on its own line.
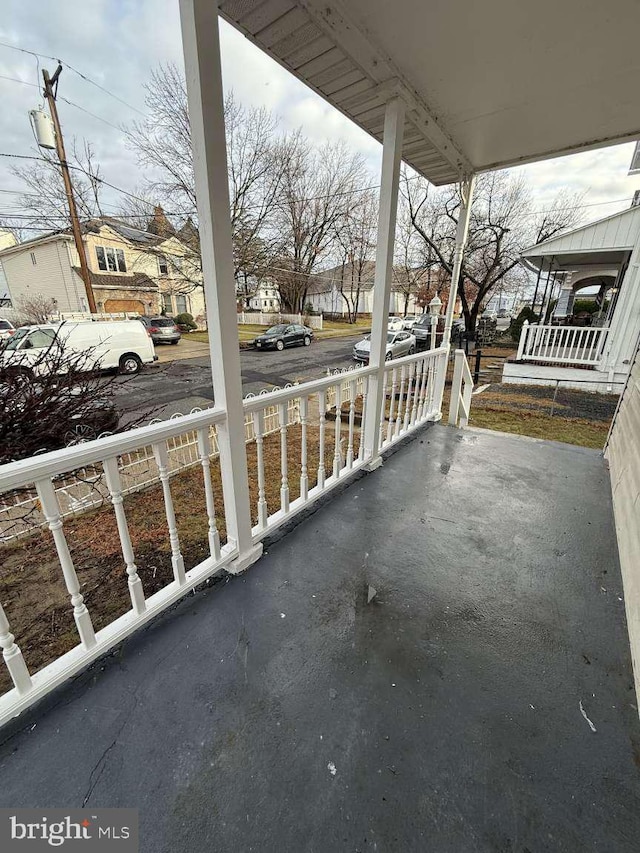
<point>185,322</point>
<point>515,328</point>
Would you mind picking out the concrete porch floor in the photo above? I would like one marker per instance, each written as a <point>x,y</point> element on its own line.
<point>280,712</point>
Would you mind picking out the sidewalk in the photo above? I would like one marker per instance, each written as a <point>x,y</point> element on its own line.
<point>185,349</point>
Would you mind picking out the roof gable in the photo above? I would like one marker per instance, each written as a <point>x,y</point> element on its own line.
<point>617,232</point>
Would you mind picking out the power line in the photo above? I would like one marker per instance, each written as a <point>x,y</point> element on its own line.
<point>75,71</point>
<point>66,100</point>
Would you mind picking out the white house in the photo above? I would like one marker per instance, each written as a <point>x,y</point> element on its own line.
<point>326,290</point>
<point>603,255</point>
<point>266,298</point>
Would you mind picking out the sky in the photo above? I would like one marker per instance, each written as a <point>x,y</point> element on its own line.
<point>117,43</point>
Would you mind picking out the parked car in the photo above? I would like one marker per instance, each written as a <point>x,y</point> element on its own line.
<point>398,344</point>
<point>123,345</point>
<point>503,314</point>
<point>399,324</point>
<point>6,329</point>
<point>162,330</point>
<point>422,331</point>
<point>284,335</point>
<point>489,315</point>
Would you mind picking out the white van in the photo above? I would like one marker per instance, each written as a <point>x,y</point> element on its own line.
<point>124,345</point>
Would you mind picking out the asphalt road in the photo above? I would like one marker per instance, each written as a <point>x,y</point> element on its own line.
<point>179,386</point>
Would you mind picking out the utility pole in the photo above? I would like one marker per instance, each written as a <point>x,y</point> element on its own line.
<point>50,95</point>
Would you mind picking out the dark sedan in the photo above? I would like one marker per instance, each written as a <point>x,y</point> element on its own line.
<point>284,335</point>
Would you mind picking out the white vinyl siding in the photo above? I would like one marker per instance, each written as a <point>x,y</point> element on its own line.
<point>51,276</point>
<point>624,469</point>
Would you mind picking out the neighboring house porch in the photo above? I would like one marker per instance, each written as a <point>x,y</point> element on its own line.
<point>596,357</point>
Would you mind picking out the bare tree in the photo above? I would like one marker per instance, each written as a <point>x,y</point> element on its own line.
<point>318,189</point>
<point>43,202</point>
<point>162,143</point>
<point>35,309</point>
<point>355,238</point>
<point>503,222</point>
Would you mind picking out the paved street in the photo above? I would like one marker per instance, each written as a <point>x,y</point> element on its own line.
<point>178,386</point>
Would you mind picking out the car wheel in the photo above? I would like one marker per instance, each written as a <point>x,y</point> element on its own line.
<point>130,364</point>
<point>79,434</point>
<point>280,345</point>
<point>388,356</point>
<point>412,349</point>
<point>307,340</point>
<point>175,342</point>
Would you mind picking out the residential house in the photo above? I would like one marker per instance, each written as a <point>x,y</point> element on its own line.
<point>332,291</point>
<point>130,270</point>
<point>603,256</point>
<point>266,298</point>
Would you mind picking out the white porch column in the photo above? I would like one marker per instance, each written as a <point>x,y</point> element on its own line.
<point>466,191</point>
<point>201,45</point>
<point>389,183</point>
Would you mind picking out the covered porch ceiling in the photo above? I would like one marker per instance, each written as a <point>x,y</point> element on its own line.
<point>486,86</point>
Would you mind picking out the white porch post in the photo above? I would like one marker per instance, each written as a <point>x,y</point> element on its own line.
<point>466,191</point>
<point>201,46</point>
<point>389,183</point>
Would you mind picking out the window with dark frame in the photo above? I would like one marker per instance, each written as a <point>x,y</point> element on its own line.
<point>163,267</point>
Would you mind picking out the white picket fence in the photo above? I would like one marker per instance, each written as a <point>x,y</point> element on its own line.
<point>257,318</point>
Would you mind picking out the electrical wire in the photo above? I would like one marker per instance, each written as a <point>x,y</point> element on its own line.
<point>75,71</point>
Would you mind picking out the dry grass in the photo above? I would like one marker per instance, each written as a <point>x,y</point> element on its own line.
<point>538,425</point>
<point>31,585</point>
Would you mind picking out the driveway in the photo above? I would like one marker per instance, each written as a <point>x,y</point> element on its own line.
<point>185,349</point>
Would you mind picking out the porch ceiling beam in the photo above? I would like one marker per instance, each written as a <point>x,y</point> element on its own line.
<point>332,18</point>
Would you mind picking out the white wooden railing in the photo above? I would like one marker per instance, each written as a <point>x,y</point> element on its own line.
<point>461,390</point>
<point>309,455</point>
<point>260,318</point>
<point>571,345</point>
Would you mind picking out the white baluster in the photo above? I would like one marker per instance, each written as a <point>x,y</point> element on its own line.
<point>322,408</point>
<point>365,386</point>
<point>204,451</point>
<point>392,403</point>
<point>400,399</point>
<point>337,459</point>
<point>258,426</point>
<point>13,657</point>
<point>383,409</point>
<point>407,405</point>
<point>284,487</point>
<point>51,510</point>
<point>162,461</point>
<point>417,388</point>
<point>114,484</point>
<point>352,418</point>
<point>304,473</point>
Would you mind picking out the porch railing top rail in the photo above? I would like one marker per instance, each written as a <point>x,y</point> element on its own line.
<point>56,462</point>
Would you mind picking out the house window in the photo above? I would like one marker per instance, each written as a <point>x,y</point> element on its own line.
<point>166,303</point>
<point>33,258</point>
<point>163,269</point>
<point>181,304</point>
<point>110,259</point>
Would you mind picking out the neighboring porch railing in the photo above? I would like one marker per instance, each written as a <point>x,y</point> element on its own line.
<point>570,345</point>
<point>461,390</point>
<point>317,445</point>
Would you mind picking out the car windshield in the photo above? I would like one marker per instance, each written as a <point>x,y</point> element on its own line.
<point>162,322</point>
<point>5,324</point>
<point>424,321</point>
<point>16,338</point>
<point>276,330</point>
<point>391,338</point>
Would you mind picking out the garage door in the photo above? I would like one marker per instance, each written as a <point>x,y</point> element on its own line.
<point>117,306</point>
